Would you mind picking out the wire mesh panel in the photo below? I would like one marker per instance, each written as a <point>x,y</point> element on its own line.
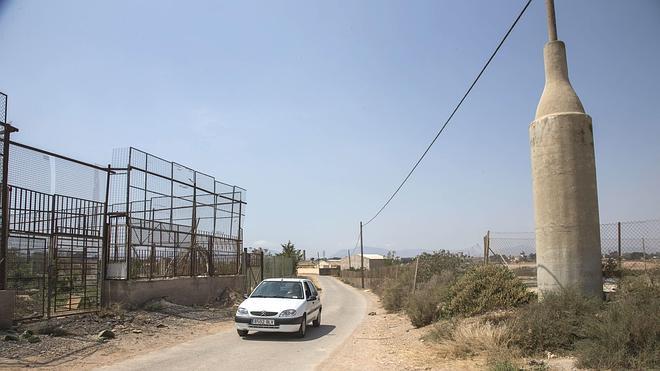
<point>76,280</point>
<point>179,222</point>
<point>509,247</point>
<point>56,218</point>
<point>631,246</point>
<point>27,259</point>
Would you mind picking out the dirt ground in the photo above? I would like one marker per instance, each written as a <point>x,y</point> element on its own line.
<point>73,342</point>
<point>387,341</point>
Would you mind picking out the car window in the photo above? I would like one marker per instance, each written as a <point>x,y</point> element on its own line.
<point>278,289</point>
<point>313,288</point>
<point>308,292</point>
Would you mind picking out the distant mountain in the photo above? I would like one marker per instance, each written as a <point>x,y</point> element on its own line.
<point>407,253</point>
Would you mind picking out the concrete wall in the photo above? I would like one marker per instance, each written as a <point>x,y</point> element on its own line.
<point>180,290</point>
<point>334,271</point>
<point>355,263</point>
<point>307,270</point>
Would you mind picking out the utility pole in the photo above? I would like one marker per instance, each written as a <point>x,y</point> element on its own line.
<point>349,259</point>
<point>564,180</point>
<point>361,256</point>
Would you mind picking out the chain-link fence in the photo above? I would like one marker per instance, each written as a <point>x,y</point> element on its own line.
<point>410,273</point>
<point>3,108</point>
<point>374,279</point>
<point>625,246</point>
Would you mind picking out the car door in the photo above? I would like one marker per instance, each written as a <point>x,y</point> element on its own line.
<point>317,302</point>
<point>311,305</point>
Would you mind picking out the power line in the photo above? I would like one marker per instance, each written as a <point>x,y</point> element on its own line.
<point>453,112</point>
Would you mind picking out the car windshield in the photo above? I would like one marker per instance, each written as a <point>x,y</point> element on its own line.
<point>278,289</point>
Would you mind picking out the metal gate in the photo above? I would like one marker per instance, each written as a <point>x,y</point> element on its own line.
<point>253,269</point>
<point>55,245</point>
<point>75,284</point>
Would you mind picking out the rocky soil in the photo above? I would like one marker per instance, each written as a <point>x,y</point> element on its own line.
<point>89,340</point>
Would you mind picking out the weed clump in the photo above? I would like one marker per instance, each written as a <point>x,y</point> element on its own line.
<point>423,307</point>
<point>626,335</point>
<point>467,337</point>
<point>485,288</point>
<point>396,292</point>
<point>554,324</point>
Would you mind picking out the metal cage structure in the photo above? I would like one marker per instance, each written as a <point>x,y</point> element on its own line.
<point>168,220</point>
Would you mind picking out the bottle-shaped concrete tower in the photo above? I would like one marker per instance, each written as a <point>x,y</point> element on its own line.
<point>564,181</point>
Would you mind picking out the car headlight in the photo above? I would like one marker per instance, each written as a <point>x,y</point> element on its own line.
<point>242,312</point>
<point>288,313</point>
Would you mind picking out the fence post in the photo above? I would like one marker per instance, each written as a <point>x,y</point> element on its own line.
<point>415,277</point>
<point>261,265</point>
<point>105,242</point>
<point>211,264</point>
<point>245,270</point>
<point>618,235</point>
<point>487,247</point>
<point>361,256</point>
<point>4,243</point>
<point>152,260</point>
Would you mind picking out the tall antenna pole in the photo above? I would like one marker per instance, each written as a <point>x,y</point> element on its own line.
<point>552,23</point>
<point>361,256</point>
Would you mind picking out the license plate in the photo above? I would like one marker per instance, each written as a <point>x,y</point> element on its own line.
<point>263,321</point>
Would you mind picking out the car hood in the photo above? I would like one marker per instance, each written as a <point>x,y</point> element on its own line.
<point>271,304</point>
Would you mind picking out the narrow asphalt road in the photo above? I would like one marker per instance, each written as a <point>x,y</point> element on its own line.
<point>343,309</point>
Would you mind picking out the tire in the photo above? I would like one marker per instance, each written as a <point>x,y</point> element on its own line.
<point>317,321</point>
<point>303,327</point>
<point>242,333</point>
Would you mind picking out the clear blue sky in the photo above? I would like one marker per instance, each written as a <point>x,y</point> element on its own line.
<point>319,109</point>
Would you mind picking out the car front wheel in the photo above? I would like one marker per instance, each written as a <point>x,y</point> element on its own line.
<point>317,321</point>
<point>242,333</point>
<point>303,327</point>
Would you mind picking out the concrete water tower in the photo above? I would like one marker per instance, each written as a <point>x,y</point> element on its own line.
<point>564,180</point>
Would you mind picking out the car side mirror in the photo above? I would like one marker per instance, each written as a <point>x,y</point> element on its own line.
<point>311,298</point>
<point>245,296</point>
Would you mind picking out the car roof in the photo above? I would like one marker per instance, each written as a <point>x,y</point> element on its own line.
<point>286,279</point>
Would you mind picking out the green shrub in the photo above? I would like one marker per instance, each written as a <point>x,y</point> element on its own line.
<point>484,288</point>
<point>627,334</point>
<point>554,324</point>
<point>441,262</point>
<point>395,293</point>
<point>423,306</point>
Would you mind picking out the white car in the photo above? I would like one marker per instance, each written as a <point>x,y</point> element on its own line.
<point>280,305</point>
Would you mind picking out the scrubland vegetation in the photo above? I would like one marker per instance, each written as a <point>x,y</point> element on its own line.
<point>485,310</point>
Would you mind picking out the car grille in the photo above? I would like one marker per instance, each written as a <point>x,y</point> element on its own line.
<point>263,326</point>
<point>263,313</point>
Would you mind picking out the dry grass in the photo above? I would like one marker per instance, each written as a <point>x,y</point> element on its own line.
<point>469,337</point>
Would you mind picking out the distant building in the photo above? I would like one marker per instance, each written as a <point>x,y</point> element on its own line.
<point>371,261</point>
